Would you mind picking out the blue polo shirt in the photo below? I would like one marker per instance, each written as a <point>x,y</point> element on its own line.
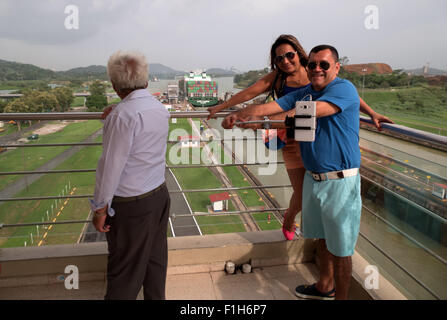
<point>336,145</point>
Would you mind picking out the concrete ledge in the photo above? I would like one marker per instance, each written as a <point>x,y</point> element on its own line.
<point>265,248</point>
<point>194,254</point>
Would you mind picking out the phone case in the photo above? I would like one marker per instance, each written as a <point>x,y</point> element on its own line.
<point>305,120</point>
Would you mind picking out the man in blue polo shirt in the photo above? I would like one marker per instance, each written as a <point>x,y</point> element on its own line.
<point>331,187</point>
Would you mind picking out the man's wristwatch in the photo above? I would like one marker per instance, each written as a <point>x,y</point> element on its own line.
<point>266,125</point>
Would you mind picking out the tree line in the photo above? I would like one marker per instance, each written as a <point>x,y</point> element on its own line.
<point>244,80</point>
<point>54,100</point>
<point>398,78</point>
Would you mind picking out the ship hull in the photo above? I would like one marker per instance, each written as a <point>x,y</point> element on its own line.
<point>203,102</point>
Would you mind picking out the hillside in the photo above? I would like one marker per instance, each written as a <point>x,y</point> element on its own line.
<point>380,68</point>
<point>246,79</point>
<point>94,71</point>
<point>10,71</point>
<point>158,69</point>
<point>20,71</point>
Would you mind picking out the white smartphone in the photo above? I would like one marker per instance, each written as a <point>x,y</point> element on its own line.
<point>305,120</point>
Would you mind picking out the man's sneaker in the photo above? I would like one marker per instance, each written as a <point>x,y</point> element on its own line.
<point>311,292</point>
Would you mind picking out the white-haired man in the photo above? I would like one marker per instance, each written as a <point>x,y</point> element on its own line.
<point>131,201</point>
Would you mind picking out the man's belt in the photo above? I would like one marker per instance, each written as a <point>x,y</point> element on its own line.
<point>118,199</point>
<point>334,174</point>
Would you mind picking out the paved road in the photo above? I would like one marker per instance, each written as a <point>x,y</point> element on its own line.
<point>180,226</point>
<point>25,132</point>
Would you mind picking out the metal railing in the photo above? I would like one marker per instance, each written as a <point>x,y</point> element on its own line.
<point>429,137</point>
<point>399,129</point>
<point>170,191</point>
<point>414,135</point>
<point>96,116</point>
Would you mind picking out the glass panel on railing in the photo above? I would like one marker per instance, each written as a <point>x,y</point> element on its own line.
<point>68,158</point>
<point>48,158</point>
<point>405,211</point>
<point>397,276</point>
<point>51,213</point>
<point>199,144</point>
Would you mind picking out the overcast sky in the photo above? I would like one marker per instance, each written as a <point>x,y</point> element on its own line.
<point>195,34</point>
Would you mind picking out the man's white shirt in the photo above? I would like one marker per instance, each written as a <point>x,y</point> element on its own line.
<point>133,159</point>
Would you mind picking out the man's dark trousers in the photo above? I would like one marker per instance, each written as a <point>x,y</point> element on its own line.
<point>138,250</point>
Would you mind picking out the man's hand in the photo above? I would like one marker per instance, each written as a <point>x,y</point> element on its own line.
<point>229,121</point>
<point>99,219</point>
<point>213,111</point>
<point>253,126</point>
<point>107,110</point>
<point>377,118</point>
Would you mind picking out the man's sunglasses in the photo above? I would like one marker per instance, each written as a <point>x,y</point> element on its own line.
<point>289,55</point>
<point>323,65</point>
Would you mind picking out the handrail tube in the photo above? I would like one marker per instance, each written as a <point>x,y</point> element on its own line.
<point>204,114</point>
<point>415,133</point>
<point>226,212</point>
<point>434,215</point>
<point>100,143</point>
<point>188,166</point>
<point>46,171</point>
<point>94,115</point>
<point>171,191</point>
<point>400,151</point>
<point>172,215</point>
<point>25,145</point>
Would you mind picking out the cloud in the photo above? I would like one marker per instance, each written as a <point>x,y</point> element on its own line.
<point>189,34</point>
<point>42,22</point>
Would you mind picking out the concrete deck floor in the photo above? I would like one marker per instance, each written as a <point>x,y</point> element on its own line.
<point>266,283</point>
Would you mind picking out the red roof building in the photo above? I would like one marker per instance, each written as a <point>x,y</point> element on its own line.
<point>219,201</point>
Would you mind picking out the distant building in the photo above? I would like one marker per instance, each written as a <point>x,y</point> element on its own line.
<point>440,191</point>
<point>189,141</point>
<point>426,69</point>
<point>219,201</point>
<point>54,85</point>
<point>173,93</point>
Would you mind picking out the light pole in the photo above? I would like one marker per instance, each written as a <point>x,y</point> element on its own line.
<point>363,88</point>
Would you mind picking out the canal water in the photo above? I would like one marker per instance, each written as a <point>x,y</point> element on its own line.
<point>428,159</point>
